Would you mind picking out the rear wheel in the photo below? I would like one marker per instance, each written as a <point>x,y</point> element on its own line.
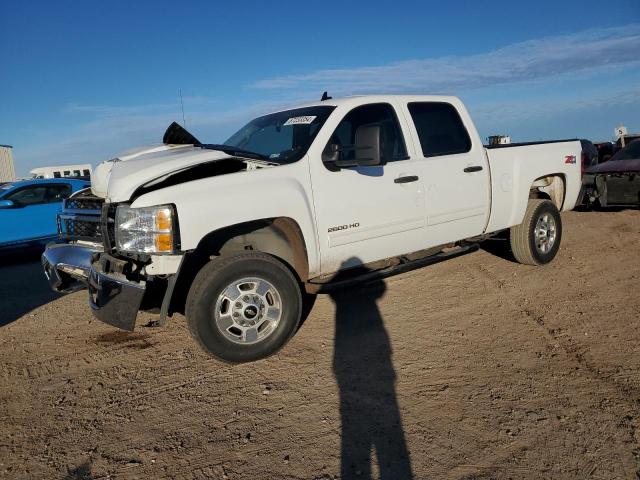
<point>537,239</point>
<point>243,307</point>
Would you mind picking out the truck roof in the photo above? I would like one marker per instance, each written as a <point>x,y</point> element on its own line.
<point>360,99</point>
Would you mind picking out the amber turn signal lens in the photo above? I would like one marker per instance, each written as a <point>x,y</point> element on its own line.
<point>163,219</point>
<point>164,242</point>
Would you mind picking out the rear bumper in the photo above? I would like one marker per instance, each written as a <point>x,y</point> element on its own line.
<point>114,299</point>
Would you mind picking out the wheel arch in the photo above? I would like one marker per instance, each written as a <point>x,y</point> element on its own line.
<point>280,237</point>
<point>551,187</point>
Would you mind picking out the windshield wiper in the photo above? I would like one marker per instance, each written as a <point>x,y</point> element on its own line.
<point>231,150</point>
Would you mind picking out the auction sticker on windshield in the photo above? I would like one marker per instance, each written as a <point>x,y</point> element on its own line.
<point>306,120</point>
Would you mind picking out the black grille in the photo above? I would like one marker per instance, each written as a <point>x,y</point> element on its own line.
<point>80,229</point>
<point>81,218</point>
<point>83,203</point>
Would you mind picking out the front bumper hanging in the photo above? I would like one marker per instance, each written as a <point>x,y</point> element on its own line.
<point>113,298</point>
<point>67,265</point>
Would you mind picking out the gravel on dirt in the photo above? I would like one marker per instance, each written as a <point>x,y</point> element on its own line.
<point>474,368</point>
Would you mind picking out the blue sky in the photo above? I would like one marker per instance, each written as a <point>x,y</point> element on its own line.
<point>82,81</point>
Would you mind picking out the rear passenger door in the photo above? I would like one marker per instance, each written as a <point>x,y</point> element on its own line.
<point>454,169</point>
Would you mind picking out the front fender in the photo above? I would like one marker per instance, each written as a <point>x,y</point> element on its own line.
<point>209,204</point>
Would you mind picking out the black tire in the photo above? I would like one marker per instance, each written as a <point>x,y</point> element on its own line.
<point>523,237</point>
<point>214,278</point>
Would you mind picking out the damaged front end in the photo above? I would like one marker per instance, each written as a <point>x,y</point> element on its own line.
<point>118,287</point>
<point>67,265</point>
<point>114,298</point>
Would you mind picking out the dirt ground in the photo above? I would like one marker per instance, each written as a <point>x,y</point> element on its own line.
<point>475,368</point>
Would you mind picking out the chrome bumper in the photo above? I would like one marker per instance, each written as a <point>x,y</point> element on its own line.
<point>67,265</point>
<point>113,299</point>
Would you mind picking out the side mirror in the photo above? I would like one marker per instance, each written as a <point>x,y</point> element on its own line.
<point>7,204</point>
<point>366,150</point>
<point>331,154</point>
<point>367,145</point>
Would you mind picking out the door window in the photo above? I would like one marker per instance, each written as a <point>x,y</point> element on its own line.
<point>57,193</point>
<point>392,145</point>
<point>39,194</point>
<point>440,129</point>
<point>33,195</point>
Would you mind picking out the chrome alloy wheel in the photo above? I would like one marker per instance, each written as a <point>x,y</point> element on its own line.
<point>248,310</point>
<point>545,233</point>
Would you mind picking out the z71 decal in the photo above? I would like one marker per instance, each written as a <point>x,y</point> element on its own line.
<point>570,159</point>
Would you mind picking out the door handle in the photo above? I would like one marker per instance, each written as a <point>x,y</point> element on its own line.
<point>474,168</point>
<point>407,179</point>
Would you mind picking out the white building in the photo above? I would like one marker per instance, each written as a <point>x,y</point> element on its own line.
<point>7,170</point>
<point>60,171</point>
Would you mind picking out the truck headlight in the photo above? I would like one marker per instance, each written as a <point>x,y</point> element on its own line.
<point>145,229</point>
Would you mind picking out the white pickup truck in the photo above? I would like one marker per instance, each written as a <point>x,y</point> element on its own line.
<point>237,236</point>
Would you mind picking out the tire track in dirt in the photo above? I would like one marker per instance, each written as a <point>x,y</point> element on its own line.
<point>484,390</point>
<point>579,353</point>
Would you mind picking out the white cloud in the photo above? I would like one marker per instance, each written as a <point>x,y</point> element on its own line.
<point>97,132</point>
<point>516,116</point>
<point>588,51</point>
<point>524,109</point>
<point>113,129</point>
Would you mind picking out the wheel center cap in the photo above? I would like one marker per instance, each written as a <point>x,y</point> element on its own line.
<point>250,312</point>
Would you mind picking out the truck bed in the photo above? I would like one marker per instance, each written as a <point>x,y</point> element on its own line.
<point>515,167</point>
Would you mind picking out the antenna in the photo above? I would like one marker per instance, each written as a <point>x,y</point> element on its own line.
<point>325,96</point>
<point>184,123</point>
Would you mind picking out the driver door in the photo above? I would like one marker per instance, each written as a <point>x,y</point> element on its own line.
<point>365,214</point>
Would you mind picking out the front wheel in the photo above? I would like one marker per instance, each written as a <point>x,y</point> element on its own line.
<point>243,307</point>
<point>537,239</point>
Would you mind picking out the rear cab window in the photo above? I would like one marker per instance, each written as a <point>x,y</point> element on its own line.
<point>440,129</point>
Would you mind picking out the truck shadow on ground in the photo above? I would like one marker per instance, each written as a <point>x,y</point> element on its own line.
<point>364,371</point>
<point>23,286</point>
<point>500,247</point>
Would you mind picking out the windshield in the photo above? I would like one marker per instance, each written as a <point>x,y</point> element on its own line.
<point>630,152</point>
<point>282,137</point>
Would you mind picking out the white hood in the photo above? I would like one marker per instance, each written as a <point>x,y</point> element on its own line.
<point>117,179</point>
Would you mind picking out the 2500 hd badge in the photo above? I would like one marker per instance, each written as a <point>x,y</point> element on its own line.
<point>343,227</point>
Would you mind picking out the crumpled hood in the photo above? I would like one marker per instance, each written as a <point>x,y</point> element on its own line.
<point>117,179</point>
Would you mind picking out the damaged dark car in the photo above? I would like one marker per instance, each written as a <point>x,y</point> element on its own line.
<point>616,182</point>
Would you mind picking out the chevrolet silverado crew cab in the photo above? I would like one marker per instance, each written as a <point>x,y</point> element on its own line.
<point>238,236</point>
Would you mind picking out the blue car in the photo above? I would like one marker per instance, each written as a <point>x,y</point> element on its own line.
<point>29,209</point>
